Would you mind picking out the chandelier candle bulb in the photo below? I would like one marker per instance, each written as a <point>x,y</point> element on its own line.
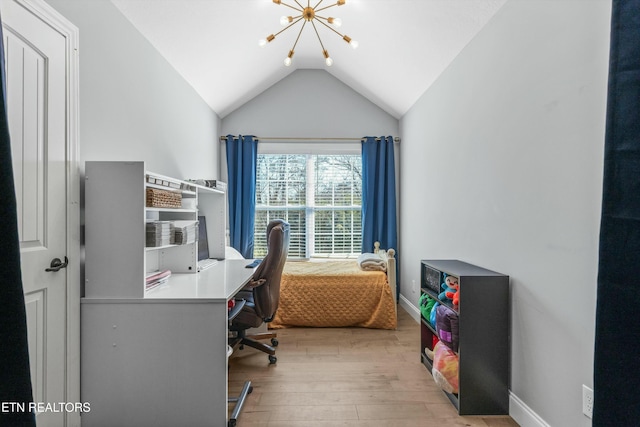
<point>263,42</point>
<point>352,43</point>
<point>327,59</point>
<point>288,59</point>
<point>336,22</point>
<point>286,20</point>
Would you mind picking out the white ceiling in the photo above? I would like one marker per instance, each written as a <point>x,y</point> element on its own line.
<point>404,44</point>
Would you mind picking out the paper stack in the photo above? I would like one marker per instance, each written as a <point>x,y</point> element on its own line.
<point>159,233</point>
<point>157,278</point>
<point>184,232</point>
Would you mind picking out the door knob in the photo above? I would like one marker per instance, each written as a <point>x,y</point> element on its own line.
<point>56,264</point>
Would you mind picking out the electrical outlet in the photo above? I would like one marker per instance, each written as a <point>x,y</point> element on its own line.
<point>587,401</point>
<point>413,286</point>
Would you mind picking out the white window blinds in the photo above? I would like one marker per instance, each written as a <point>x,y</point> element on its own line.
<point>319,195</point>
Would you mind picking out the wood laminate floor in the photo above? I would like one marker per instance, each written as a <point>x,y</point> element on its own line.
<point>328,377</point>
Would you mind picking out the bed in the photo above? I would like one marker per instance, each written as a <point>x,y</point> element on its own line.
<point>338,293</point>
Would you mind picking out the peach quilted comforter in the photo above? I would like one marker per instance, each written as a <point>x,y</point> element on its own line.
<point>334,294</point>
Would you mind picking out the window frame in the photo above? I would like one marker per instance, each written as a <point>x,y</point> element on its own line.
<point>309,210</point>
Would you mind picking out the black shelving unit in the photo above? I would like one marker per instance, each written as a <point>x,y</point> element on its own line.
<point>484,334</point>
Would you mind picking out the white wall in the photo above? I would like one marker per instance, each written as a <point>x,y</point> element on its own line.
<point>502,167</point>
<point>133,104</point>
<point>310,103</point>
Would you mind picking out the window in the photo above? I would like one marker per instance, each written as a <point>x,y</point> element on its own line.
<point>320,196</point>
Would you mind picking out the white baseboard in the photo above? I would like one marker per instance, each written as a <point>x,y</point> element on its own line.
<point>518,410</point>
<point>522,414</point>
<point>410,308</point>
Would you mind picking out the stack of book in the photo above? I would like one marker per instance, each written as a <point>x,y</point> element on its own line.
<point>184,232</point>
<point>159,234</point>
<point>157,278</point>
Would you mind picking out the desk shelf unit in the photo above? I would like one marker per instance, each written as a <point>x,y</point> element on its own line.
<point>484,334</point>
<point>117,259</point>
<point>153,357</point>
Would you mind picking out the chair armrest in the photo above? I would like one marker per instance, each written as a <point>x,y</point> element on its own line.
<point>254,283</point>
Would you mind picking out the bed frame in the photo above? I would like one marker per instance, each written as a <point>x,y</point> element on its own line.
<point>390,255</point>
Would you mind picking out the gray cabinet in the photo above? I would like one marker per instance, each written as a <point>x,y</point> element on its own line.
<point>484,334</point>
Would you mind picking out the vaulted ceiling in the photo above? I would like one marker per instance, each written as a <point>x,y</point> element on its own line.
<point>404,45</point>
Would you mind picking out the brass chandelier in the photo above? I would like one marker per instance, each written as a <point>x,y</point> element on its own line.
<point>310,15</point>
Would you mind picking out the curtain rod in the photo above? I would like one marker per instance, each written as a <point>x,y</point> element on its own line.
<point>287,138</point>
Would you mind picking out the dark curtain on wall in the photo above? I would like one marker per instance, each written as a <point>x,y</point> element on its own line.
<point>617,338</point>
<point>242,158</point>
<point>15,376</point>
<point>379,195</point>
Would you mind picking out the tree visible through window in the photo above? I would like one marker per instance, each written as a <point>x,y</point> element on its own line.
<point>320,196</point>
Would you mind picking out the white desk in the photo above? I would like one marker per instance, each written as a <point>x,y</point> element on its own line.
<point>160,360</point>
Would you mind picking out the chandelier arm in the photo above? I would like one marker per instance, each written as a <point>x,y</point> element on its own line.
<point>289,26</point>
<point>331,28</point>
<point>321,17</point>
<point>293,7</point>
<point>299,33</point>
<point>318,4</point>
<point>298,3</point>
<point>317,34</point>
<point>324,8</point>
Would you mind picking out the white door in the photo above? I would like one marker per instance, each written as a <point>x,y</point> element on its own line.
<point>35,60</point>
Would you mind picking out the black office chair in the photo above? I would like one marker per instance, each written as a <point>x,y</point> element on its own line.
<point>262,294</point>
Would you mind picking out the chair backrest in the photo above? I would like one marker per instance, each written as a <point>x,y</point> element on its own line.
<point>267,296</point>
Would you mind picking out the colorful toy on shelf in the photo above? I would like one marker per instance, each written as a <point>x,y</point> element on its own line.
<point>445,367</point>
<point>432,315</point>
<point>428,352</point>
<point>426,305</point>
<point>448,327</point>
<point>454,296</point>
<point>449,289</point>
